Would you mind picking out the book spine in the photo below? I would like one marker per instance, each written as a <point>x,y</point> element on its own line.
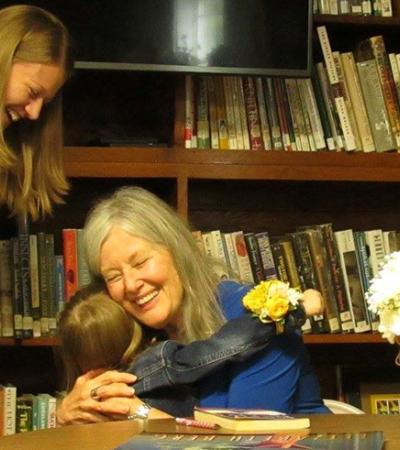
<point>51,280</point>
<point>242,256</point>
<point>376,250</point>
<point>254,256</point>
<point>6,300</point>
<point>296,110</point>
<point>352,279</point>
<point>23,416</point>
<point>388,87</point>
<point>243,114</point>
<point>272,112</point>
<point>70,262</point>
<point>35,284</point>
<point>252,114</point>
<point>59,283</point>
<point>212,105</point>
<point>219,252</point>
<point>395,71</point>
<point>337,90</point>
<point>286,109</point>
<point>84,277</point>
<point>9,411</point>
<point>330,107</point>
<point>279,261</point>
<point>267,258</point>
<point>306,116</point>
<point>233,262</point>
<point>44,284</point>
<point>189,111</point>
<point>356,98</point>
<point>347,100</point>
<point>266,134</point>
<point>375,105</point>
<point>323,277</point>
<point>16,291</point>
<point>23,240</point>
<point>290,263</point>
<point>234,81</point>
<point>308,98</point>
<point>230,114</point>
<point>280,108</point>
<point>221,114</point>
<point>203,128</point>
<point>323,112</point>
<point>343,307</point>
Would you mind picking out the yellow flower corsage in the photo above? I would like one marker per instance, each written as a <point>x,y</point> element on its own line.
<point>271,300</point>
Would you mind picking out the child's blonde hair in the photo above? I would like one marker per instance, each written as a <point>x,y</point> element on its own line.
<point>95,333</point>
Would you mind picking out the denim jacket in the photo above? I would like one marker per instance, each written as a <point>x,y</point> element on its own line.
<point>166,372</point>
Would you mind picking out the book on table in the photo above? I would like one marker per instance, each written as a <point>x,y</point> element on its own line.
<point>250,419</point>
<point>372,440</point>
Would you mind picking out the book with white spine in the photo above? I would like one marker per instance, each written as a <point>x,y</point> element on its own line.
<point>337,89</point>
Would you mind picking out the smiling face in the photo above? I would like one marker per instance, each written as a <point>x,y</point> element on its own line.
<point>141,276</point>
<point>29,87</point>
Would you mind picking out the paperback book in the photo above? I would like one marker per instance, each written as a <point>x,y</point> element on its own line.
<point>250,419</point>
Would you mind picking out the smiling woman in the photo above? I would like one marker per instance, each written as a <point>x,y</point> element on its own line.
<point>151,265</point>
<point>35,61</point>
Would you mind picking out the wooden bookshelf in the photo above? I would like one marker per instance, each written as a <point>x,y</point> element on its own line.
<point>311,339</point>
<point>250,190</point>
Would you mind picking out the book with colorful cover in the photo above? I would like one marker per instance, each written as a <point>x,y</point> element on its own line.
<point>253,420</point>
<point>372,440</point>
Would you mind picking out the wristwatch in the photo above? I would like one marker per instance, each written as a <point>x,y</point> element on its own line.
<point>141,413</point>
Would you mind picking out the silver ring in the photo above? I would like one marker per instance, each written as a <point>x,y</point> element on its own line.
<point>130,415</point>
<point>94,395</point>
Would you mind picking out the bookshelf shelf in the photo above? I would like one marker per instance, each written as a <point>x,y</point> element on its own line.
<point>343,339</point>
<point>309,339</point>
<point>35,342</point>
<point>231,164</point>
<point>362,21</point>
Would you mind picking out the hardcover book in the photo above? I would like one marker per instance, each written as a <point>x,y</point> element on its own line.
<point>322,441</point>
<point>250,419</point>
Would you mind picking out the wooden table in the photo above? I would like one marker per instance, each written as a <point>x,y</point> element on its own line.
<point>106,436</point>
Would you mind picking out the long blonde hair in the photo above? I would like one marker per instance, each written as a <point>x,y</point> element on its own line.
<point>96,333</point>
<point>142,214</point>
<point>31,158</point>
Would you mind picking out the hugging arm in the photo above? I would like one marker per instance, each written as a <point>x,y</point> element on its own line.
<point>170,363</point>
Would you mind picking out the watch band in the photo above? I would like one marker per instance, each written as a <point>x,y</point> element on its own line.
<point>141,413</point>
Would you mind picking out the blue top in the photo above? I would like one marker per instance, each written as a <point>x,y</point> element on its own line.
<point>279,378</point>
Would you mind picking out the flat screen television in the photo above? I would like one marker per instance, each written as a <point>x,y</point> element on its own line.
<point>265,37</point>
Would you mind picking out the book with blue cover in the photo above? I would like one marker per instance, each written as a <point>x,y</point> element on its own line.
<point>372,440</point>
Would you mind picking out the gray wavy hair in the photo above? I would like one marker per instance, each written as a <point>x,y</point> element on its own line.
<point>142,214</point>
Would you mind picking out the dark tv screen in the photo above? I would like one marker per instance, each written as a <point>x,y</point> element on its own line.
<point>270,37</point>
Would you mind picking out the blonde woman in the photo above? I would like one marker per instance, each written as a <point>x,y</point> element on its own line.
<point>35,61</point>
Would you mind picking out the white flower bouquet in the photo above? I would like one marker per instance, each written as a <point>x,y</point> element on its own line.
<point>383,297</point>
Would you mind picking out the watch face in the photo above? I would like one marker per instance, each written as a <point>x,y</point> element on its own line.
<point>143,411</point>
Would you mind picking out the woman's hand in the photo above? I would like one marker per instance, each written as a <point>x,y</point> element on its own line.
<point>97,396</point>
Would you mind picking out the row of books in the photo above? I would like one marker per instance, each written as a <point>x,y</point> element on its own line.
<point>361,95</point>
<point>381,8</point>
<point>28,412</point>
<point>340,264</point>
<point>35,281</point>
<point>252,113</point>
<point>351,103</point>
